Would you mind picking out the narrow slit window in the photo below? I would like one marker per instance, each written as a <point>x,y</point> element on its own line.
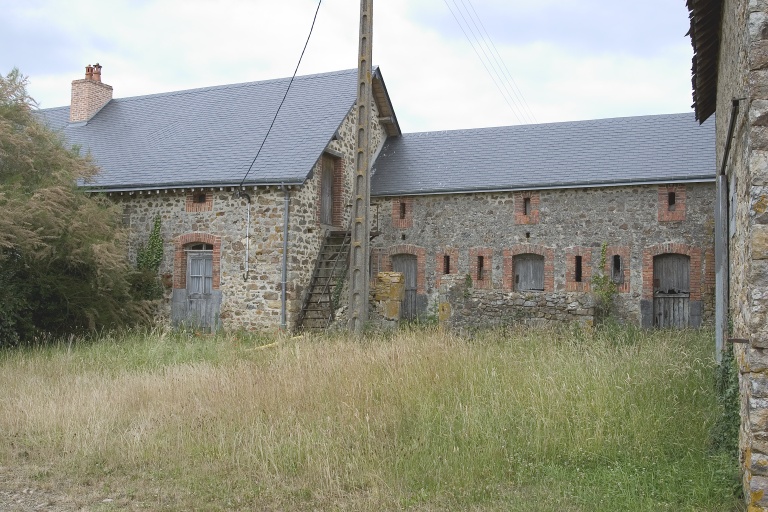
<point>402,209</point>
<point>200,198</point>
<point>480,268</point>
<point>671,201</point>
<point>577,269</point>
<point>617,270</point>
<point>446,264</point>
<point>526,205</point>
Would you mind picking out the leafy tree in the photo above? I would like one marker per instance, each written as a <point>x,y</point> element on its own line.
<point>63,265</point>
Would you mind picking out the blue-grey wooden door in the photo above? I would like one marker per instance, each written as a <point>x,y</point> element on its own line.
<point>407,265</point>
<point>201,308</point>
<point>671,291</point>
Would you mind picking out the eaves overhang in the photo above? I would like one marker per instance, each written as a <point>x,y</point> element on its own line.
<point>709,178</point>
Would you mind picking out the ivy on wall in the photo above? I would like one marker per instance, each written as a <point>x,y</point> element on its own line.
<point>149,257</point>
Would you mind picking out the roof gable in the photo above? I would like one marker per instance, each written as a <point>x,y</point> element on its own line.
<point>601,152</point>
<point>210,136</point>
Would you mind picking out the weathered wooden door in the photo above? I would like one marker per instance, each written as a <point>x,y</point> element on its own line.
<point>406,264</point>
<point>671,290</point>
<point>201,307</point>
<point>326,193</point>
<point>529,272</point>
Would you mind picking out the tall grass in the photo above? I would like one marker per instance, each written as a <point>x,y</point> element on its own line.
<point>503,420</point>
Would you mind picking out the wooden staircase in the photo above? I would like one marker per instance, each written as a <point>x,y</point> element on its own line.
<point>317,312</point>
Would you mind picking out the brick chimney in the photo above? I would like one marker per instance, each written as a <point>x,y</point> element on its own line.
<point>88,95</point>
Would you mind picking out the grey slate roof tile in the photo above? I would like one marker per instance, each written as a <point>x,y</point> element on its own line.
<point>670,147</point>
<point>209,136</point>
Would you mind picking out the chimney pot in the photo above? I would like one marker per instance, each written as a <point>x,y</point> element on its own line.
<point>89,95</point>
<point>97,72</point>
<point>89,72</point>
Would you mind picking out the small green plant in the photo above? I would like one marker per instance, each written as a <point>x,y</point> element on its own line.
<point>467,286</point>
<point>603,288</point>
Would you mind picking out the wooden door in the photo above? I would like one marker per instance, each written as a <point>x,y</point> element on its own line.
<point>529,272</point>
<point>406,264</point>
<point>326,193</point>
<point>671,291</point>
<point>201,308</point>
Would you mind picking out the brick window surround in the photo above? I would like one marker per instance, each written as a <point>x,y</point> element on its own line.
<point>402,212</point>
<point>623,252</point>
<point>453,254</point>
<point>475,253</point>
<point>194,203</point>
<point>694,253</point>
<point>571,285</point>
<point>548,253</point>
<point>671,212</point>
<point>533,200</point>
<point>385,262</point>
<point>337,208</point>
<point>180,257</point>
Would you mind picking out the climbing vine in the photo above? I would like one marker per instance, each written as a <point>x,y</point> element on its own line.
<point>149,257</point>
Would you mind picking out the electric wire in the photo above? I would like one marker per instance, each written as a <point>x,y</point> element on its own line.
<point>493,62</point>
<point>250,167</point>
<point>478,38</point>
<point>495,82</point>
<point>501,61</point>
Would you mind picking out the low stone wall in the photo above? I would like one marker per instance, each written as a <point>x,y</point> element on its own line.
<point>462,306</point>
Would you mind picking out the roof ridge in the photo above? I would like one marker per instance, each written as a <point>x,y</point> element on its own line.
<point>601,121</point>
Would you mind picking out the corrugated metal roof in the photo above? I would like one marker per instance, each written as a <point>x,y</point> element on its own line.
<point>209,136</point>
<point>660,148</point>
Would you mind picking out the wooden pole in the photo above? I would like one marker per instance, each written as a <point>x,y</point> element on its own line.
<point>361,199</point>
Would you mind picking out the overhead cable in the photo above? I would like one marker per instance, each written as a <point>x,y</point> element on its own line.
<point>284,96</point>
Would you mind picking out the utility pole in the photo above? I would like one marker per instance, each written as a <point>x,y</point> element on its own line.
<point>360,251</point>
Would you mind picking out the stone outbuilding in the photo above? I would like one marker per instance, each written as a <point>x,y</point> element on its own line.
<point>243,215</point>
<point>520,214</point>
<point>508,222</point>
<point>730,76</point>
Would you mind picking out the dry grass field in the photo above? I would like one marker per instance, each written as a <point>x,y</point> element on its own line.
<point>419,420</point>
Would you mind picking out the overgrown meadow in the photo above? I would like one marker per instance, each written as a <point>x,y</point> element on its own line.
<point>521,420</point>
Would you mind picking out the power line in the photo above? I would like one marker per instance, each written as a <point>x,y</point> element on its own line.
<point>495,82</point>
<point>285,95</point>
<point>493,63</point>
<point>508,73</point>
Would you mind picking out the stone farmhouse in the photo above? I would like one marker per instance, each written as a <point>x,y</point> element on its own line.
<point>730,76</point>
<point>483,226</point>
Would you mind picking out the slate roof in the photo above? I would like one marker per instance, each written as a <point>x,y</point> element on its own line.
<point>209,136</point>
<point>602,152</point>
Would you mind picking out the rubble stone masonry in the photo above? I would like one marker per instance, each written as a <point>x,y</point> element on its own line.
<point>560,225</point>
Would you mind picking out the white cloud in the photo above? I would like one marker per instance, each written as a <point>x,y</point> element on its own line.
<point>434,78</point>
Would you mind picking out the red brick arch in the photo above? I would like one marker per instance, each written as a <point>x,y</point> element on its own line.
<point>694,253</point>
<point>415,250</point>
<point>180,259</point>
<point>549,264</point>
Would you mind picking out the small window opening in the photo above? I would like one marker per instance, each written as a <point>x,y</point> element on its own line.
<point>480,268</point>
<point>402,210</point>
<point>526,205</point>
<point>671,201</point>
<point>617,272</point>
<point>402,236</point>
<point>446,264</point>
<point>200,198</point>
<point>578,270</point>
<point>527,234</point>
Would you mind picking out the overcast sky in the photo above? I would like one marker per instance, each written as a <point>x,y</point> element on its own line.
<point>570,59</point>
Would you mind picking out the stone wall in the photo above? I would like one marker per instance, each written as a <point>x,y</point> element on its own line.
<point>252,299</point>
<point>462,306</point>
<point>743,74</point>
<point>560,225</point>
